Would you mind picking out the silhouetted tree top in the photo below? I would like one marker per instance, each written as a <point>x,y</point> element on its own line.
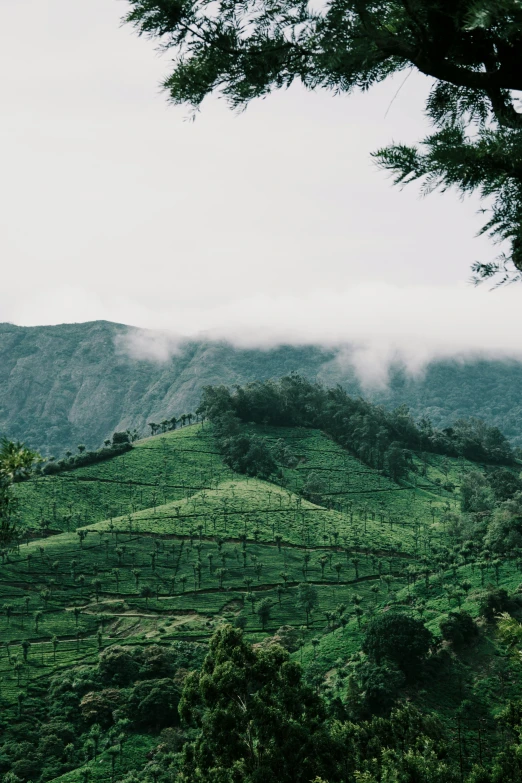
<point>472,50</point>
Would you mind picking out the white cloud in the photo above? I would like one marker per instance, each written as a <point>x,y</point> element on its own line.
<point>270,227</point>
<point>144,344</point>
<point>371,325</point>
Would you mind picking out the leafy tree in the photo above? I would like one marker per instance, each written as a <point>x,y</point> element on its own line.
<point>396,462</point>
<point>471,50</point>
<point>248,454</point>
<point>380,685</point>
<point>16,462</point>
<point>398,638</point>
<point>154,703</point>
<point>504,531</point>
<point>258,721</point>
<point>307,599</point>
<point>459,628</point>
<point>504,483</point>
<point>263,611</point>
<point>494,602</point>
<point>120,437</point>
<point>146,592</point>
<point>475,493</point>
<point>118,666</point>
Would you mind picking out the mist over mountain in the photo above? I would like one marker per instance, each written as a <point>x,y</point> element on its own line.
<point>76,383</point>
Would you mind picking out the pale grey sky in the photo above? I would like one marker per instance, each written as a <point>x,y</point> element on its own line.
<point>274,224</point>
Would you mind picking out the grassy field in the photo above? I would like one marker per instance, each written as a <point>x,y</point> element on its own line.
<point>166,542</point>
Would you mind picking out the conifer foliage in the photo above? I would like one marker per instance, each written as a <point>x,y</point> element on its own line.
<point>471,49</point>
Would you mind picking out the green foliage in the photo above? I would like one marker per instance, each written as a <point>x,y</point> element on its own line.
<point>86,458</point>
<point>248,454</point>
<point>380,684</point>
<point>504,483</point>
<point>471,51</point>
<point>258,721</point>
<point>154,703</point>
<point>504,532</point>
<point>16,462</point>
<point>494,602</point>
<point>110,661</point>
<point>475,493</point>
<point>459,628</point>
<point>398,638</point>
<point>376,436</point>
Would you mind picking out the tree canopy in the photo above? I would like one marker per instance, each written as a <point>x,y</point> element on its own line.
<point>376,436</point>
<point>16,461</point>
<point>258,719</point>
<point>471,50</point>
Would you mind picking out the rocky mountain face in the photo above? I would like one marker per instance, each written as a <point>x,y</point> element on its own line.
<point>76,383</point>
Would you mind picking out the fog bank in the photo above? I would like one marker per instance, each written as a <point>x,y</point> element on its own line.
<point>370,326</point>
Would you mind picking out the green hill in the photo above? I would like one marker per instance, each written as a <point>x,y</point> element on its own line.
<point>149,552</point>
<point>69,384</point>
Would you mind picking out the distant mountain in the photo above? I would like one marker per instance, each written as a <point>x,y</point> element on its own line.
<point>70,384</point>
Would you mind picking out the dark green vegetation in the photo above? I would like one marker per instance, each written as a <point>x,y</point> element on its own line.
<point>61,386</point>
<point>471,49</point>
<point>130,604</point>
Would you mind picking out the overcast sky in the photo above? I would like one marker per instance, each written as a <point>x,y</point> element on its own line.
<point>269,225</point>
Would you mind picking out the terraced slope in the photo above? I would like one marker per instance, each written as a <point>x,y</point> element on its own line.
<point>162,544</point>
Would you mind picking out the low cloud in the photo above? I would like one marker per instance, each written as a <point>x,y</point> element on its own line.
<point>147,345</point>
<point>370,326</point>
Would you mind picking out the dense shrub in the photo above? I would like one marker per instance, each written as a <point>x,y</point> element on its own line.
<point>495,601</point>
<point>99,706</point>
<point>154,703</point>
<point>398,638</point>
<point>120,437</point>
<point>117,666</point>
<point>504,483</point>
<point>380,684</point>
<point>459,628</point>
<point>87,458</point>
<point>249,454</point>
<point>504,532</point>
<point>475,493</point>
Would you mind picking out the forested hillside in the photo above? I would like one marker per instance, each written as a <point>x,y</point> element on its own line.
<point>69,384</point>
<point>300,587</point>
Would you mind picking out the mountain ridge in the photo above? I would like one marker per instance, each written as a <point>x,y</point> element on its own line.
<point>66,384</point>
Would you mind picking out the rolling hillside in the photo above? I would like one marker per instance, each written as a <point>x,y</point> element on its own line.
<point>69,384</point>
<point>152,550</point>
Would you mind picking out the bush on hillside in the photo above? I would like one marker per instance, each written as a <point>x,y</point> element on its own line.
<point>154,703</point>
<point>399,638</point>
<point>495,601</point>
<point>459,629</point>
<point>380,685</point>
<point>504,532</point>
<point>504,483</point>
<point>249,454</point>
<point>121,437</point>
<point>118,666</point>
<point>85,459</point>
<point>476,495</point>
